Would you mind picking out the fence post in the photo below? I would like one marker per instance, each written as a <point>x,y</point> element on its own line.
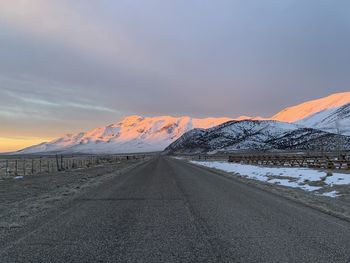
<point>58,168</point>
<point>16,166</point>
<point>7,168</point>
<point>24,167</point>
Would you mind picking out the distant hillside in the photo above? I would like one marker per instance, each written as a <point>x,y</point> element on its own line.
<point>256,135</point>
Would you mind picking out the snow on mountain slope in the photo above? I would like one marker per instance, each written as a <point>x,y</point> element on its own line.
<point>256,135</point>
<point>330,120</point>
<point>306,109</point>
<point>132,134</point>
<point>138,134</point>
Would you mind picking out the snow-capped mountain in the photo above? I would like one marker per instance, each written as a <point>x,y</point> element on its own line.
<point>306,109</point>
<point>138,134</point>
<point>336,120</point>
<point>131,135</point>
<point>329,114</point>
<point>256,135</point>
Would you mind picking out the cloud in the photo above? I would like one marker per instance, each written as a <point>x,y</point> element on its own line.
<point>18,112</point>
<point>86,63</point>
<point>73,25</point>
<point>64,104</point>
<point>52,19</point>
<point>27,100</point>
<point>89,107</point>
<point>38,101</point>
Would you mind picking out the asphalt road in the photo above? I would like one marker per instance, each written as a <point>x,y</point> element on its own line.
<point>169,211</point>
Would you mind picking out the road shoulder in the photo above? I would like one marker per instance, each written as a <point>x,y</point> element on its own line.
<point>330,206</point>
<point>28,202</point>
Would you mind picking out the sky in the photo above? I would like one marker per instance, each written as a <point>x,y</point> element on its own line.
<point>68,66</point>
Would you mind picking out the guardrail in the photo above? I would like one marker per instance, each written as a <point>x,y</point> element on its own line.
<point>23,166</point>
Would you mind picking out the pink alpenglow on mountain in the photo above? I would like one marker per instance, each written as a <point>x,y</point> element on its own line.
<point>131,135</point>
<point>147,134</point>
<point>306,109</point>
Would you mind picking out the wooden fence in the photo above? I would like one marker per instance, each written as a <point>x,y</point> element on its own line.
<point>309,161</point>
<point>317,160</point>
<point>15,166</point>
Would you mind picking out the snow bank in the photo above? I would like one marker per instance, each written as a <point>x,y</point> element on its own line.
<point>287,176</point>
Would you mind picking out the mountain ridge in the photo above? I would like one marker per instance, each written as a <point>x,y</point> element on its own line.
<point>138,134</point>
<point>130,135</point>
<point>308,108</point>
<point>258,136</point>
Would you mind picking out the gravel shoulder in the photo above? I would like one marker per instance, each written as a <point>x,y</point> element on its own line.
<point>338,207</point>
<point>27,199</point>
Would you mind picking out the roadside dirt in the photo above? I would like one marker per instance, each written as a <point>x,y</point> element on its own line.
<point>24,199</point>
<point>338,207</point>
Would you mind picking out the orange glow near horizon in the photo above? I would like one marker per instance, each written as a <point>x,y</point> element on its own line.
<point>10,144</point>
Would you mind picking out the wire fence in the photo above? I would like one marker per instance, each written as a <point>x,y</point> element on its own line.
<point>23,166</point>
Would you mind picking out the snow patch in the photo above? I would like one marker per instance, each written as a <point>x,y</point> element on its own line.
<point>301,178</point>
<point>331,194</point>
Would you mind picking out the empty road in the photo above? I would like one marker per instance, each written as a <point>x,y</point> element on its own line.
<point>167,210</point>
